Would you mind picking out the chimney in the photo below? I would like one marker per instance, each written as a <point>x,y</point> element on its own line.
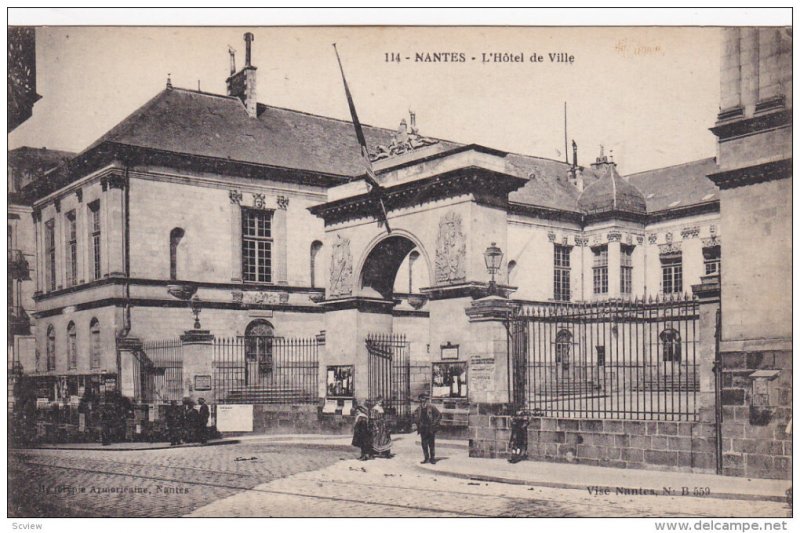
<point>576,172</point>
<point>574,154</point>
<point>242,84</point>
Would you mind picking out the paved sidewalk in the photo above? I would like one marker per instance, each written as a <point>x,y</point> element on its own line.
<point>455,462</point>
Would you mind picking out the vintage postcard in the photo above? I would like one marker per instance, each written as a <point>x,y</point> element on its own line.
<point>400,271</point>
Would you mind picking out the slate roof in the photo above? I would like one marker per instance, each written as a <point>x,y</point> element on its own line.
<point>677,186</point>
<point>215,126</point>
<point>610,193</point>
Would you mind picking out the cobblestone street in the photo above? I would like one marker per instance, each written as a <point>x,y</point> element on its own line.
<point>268,478</point>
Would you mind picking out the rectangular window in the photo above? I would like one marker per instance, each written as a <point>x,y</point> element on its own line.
<point>711,258</point>
<point>257,246</point>
<point>561,272</point>
<point>600,270</point>
<point>626,269</point>
<point>94,238</point>
<point>671,275</point>
<point>72,249</point>
<point>50,254</point>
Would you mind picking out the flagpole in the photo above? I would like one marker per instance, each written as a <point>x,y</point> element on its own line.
<point>375,187</point>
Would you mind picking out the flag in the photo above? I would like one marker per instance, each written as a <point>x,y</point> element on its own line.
<point>375,188</point>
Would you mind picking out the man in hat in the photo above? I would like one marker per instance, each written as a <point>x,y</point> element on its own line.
<point>427,419</point>
<point>362,438</point>
<point>202,421</point>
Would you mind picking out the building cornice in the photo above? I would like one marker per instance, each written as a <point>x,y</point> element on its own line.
<point>739,127</point>
<point>774,170</point>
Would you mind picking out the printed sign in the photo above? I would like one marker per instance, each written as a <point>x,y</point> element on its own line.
<point>481,373</point>
<point>234,418</point>
<point>202,382</point>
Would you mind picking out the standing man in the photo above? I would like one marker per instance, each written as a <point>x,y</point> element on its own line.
<point>202,422</point>
<point>427,419</point>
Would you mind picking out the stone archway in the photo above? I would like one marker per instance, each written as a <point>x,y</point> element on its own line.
<point>378,270</point>
<point>447,204</point>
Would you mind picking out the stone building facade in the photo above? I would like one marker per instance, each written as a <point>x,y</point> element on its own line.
<point>262,214</point>
<point>754,174</point>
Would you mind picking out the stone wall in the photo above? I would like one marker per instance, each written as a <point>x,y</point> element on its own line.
<point>685,446</point>
<point>754,441</point>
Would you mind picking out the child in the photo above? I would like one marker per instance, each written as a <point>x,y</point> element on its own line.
<point>518,444</point>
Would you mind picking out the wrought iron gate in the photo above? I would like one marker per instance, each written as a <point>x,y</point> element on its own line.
<point>618,359</point>
<point>163,379</point>
<point>389,375</point>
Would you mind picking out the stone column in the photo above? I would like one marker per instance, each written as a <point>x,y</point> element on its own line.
<point>280,244</point>
<point>198,349</point>
<point>614,261</point>
<point>115,225</point>
<point>128,347</point>
<point>236,236</point>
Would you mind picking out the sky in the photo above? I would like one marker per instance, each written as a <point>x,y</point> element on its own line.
<point>646,94</point>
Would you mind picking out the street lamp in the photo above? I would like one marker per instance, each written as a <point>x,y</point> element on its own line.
<point>493,257</point>
<point>195,302</point>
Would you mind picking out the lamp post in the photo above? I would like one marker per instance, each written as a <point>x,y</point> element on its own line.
<point>493,257</point>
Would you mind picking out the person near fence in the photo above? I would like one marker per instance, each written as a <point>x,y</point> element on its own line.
<point>191,420</point>
<point>379,429</point>
<point>174,423</point>
<point>427,418</point>
<point>518,443</point>
<point>362,437</point>
<point>202,421</point>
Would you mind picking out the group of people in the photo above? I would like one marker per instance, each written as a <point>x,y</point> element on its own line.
<point>187,424</point>
<point>371,433</point>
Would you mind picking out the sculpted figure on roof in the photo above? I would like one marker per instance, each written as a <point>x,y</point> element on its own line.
<point>405,140</point>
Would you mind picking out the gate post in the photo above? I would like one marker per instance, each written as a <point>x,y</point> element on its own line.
<point>198,350</point>
<point>128,347</point>
<point>489,376</point>
<point>708,294</point>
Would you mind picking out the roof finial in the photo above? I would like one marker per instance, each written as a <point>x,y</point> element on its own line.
<point>232,53</point>
<point>169,80</point>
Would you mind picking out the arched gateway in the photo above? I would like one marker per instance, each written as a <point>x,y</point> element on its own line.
<point>444,207</point>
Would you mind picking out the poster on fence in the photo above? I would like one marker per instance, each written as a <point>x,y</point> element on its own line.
<point>234,418</point>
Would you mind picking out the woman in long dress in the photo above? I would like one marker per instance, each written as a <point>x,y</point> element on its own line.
<point>381,438</point>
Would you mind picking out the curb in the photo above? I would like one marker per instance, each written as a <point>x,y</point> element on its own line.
<point>573,486</point>
<point>128,449</point>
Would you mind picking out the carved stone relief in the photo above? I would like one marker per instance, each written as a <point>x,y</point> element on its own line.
<point>341,268</point>
<point>451,250</point>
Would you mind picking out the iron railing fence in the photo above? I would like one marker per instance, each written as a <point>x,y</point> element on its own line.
<point>158,377</point>
<point>261,370</point>
<point>612,359</point>
<point>389,372</point>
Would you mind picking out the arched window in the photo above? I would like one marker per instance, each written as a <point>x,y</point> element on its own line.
<point>72,346</point>
<point>175,237</point>
<point>51,347</point>
<point>95,348</point>
<point>670,345</point>
<point>512,265</point>
<point>258,350</point>
<point>412,258</point>
<point>563,346</point>
<point>316,246</point>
